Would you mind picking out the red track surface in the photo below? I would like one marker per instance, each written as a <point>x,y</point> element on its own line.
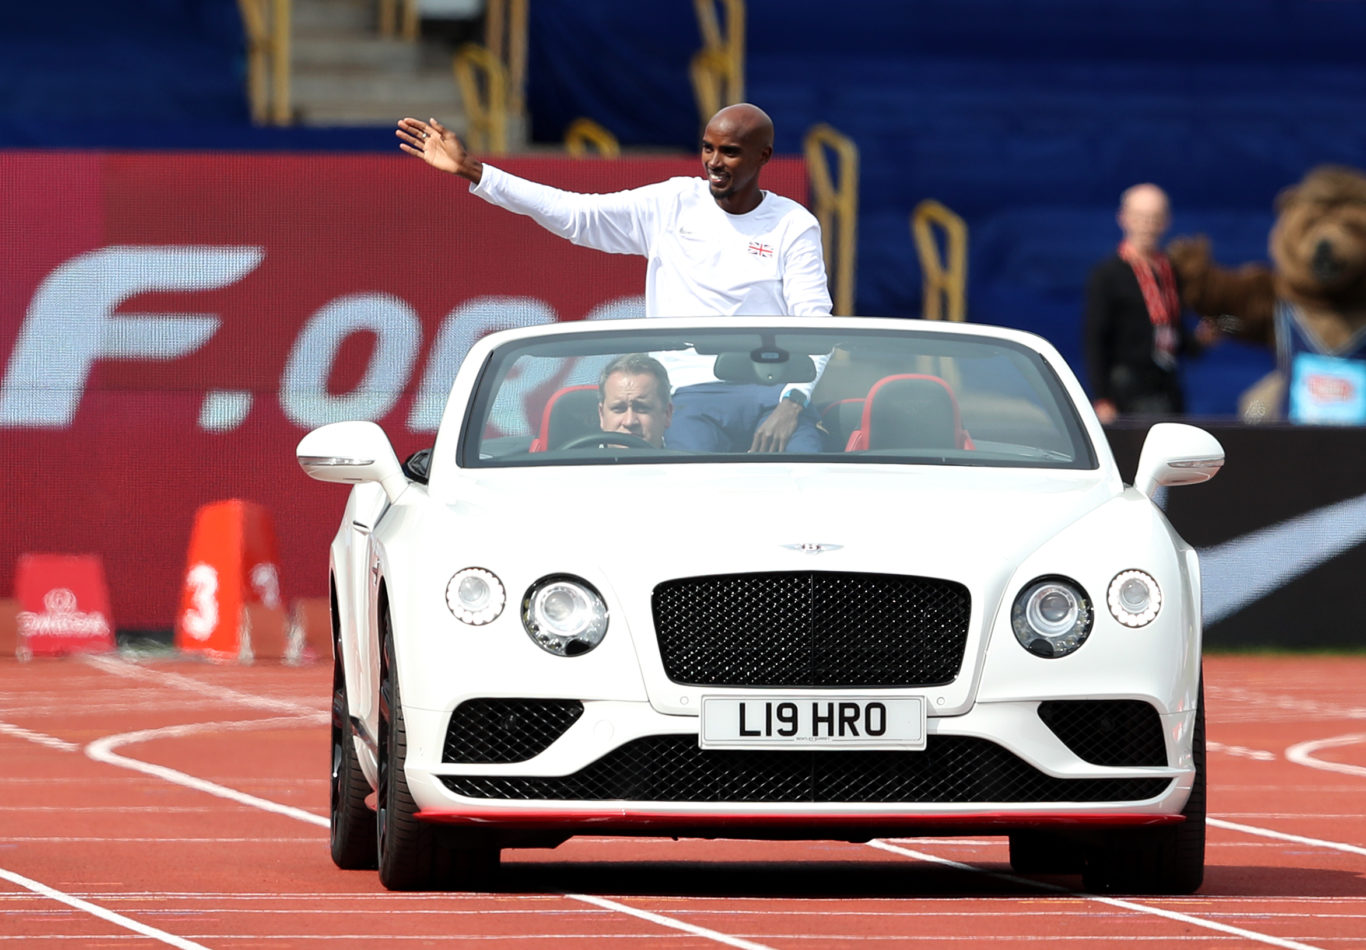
<point>183,804</point>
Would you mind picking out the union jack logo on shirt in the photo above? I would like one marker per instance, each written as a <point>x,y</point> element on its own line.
<point>763,250</point>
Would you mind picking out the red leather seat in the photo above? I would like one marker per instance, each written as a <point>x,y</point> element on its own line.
<point>838,422</point>
<point>909,411</point>
<point>570,412</point>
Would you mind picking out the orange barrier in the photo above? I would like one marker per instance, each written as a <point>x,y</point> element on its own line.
<point>230,603</point>
<point>63,605</point>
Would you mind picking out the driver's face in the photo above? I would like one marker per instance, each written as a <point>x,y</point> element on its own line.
<point>633,403</point>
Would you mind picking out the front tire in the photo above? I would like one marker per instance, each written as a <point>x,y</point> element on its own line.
<point>1165,860</point>
<point>352,822</point>
<point>414,855</point>
<point>1039,852</point>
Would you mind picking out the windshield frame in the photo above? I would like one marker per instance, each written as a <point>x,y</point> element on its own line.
<point>795,338</point>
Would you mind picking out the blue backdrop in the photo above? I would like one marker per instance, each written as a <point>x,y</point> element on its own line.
<point>1026,117</point>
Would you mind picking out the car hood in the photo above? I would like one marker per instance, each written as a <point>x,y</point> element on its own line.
<point>931,520</point>
<point>626,529</point>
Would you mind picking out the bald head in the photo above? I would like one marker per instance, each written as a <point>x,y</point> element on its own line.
<point>1144,214</point>
<point>745,121</point>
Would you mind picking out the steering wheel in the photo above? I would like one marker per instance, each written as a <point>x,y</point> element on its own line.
<point>626,440</point>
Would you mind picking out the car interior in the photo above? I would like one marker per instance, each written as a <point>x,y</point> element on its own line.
<point>946,400</point>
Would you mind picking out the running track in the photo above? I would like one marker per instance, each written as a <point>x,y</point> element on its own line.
<point>181,804</point>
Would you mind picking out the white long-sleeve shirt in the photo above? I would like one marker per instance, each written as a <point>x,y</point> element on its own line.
<point>700,259</point>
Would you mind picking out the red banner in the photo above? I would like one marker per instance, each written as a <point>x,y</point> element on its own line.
<point>172,324</point>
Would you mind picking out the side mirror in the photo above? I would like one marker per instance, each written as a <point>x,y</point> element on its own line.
<point>1177,454</point>
<point>352,452</point>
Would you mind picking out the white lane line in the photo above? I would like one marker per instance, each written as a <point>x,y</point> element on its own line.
<point>1303,753</point>
<point>1109,901</point>
<point>96,910</point>
<point>669,922</point>
<point>1261,755</point>
<point>102,750</point>
<point>52,742</point>
<point>199,688</point>
<point>1282,836</point>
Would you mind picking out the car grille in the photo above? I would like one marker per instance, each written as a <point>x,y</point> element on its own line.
<point>1107,732</point>
<point>506,730</point>
<point>674,769</point>
<point>811,628</point>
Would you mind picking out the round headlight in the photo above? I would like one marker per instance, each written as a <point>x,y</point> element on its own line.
<point>564,615</point>
<point>475,596</point>
<point>1134,598</point>
<point>1051,617</point>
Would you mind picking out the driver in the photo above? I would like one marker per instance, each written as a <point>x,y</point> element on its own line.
<point>633,396</point>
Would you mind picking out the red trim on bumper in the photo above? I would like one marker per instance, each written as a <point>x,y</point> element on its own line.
<point>787,825</point>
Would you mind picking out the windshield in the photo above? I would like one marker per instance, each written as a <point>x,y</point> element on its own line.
<point>856,395</point>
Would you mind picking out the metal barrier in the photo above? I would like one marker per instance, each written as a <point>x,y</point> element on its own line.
<point>405,11</point>
<point>267,25</point>
<point>482,78</point>
<point>944,283</point>
<point>717,70</point>
<point>505,34</point>
<point>584,136</point>
<point>492,76</point>
<point>835,204</point>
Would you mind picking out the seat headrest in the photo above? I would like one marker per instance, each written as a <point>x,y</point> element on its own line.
<point>740,368</point>
<point>911,412</point>
<point>570,412</point>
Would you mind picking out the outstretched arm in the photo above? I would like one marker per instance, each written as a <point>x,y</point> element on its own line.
<point>439,147</point>
<point>613,223</point>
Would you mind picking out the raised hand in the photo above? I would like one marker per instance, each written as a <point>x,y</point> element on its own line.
<point>435,144</point>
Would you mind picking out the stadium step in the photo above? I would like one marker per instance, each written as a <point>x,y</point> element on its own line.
<point>346,74</point>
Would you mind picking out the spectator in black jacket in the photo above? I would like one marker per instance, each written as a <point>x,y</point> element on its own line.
<point>1134,334</point>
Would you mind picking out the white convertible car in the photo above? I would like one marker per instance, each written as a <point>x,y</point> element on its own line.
<point>955,618</point>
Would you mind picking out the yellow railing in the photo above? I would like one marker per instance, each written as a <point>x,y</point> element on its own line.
<point>505,26</point>
<point>483,83</point>
<point>398,16</point>
<point>718,68</point>
<point>585,137</point>
<point>267,24</point>
<point>945,276</point>
<point>835,204</point>
<point>492,76</point>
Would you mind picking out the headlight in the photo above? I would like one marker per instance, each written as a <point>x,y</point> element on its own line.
<point>475,596</point>
<point>564,615</point>
<point>1051,617</point>
<point>1134,598</point>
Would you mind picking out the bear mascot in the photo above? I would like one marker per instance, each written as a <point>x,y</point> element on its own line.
<point>1309,304</point>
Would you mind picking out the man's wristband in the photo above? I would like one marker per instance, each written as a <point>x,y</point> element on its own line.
<point>797,396</point>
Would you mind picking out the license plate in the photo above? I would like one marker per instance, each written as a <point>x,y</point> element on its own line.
<point>782,722</point>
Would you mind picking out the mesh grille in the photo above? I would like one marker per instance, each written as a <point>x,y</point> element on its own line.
<point>811,628</point>
<point>675,769</point>
<point>1107,732</point>
<point>507,730</point>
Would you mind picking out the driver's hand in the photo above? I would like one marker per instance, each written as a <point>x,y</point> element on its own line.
<point>773,433</point>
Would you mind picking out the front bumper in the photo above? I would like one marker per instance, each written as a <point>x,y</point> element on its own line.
<point>623,767</point>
